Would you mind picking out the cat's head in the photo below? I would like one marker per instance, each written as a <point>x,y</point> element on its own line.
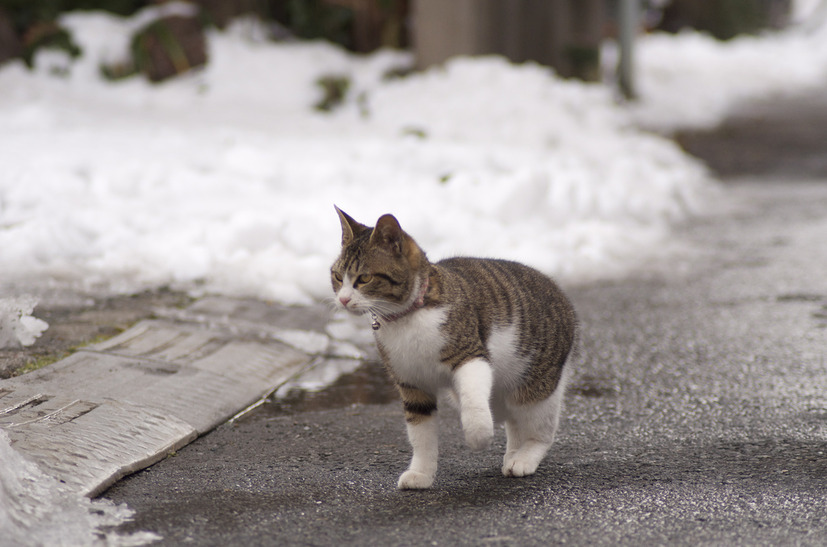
<point>380,269</point>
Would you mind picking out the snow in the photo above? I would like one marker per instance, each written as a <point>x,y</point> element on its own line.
<point>223,181</point>
<point>37,509</point>
<point>692,81</point>
<point>17,325</point>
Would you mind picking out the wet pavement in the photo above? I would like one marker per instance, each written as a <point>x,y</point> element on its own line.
<point>77,318</point>
<point>779,137</point>
<point>697,415</point>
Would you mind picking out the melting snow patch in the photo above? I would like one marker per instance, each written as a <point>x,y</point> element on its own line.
<point>37,509</point>
<point>17,325</point>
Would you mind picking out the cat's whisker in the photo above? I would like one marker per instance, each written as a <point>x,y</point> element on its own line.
<point>385,309</point>
<point>330,302</point>
<point>380,307</point>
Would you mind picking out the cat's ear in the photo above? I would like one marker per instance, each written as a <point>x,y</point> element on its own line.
<point>350,228</point>
<point>388,234</point>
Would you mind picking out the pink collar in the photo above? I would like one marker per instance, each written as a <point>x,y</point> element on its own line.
<point>418,303</point>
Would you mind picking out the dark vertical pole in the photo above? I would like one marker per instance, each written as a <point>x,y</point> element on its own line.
<point>628,23</point>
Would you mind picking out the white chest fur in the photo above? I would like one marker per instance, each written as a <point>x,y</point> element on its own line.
<point>413,346</point>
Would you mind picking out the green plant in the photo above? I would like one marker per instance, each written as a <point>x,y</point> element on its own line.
<point>335,90</point>
<point>46,359</point>
<point>314,19</point>
<point>35,21</point>
<point>48,36</point>
<point>40,362</point>
<point>25,13</point>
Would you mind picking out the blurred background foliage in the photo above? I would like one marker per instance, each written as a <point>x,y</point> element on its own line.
<point>360,25</point>
<point>363,26</point>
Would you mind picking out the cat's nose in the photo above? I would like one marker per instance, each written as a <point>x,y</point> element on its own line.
<point>344,300</point>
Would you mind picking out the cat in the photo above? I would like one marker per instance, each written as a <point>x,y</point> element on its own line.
<point>492,335</point>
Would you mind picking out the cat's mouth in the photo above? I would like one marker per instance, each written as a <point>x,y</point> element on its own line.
<point>377,309</point>
<point>355,310</point>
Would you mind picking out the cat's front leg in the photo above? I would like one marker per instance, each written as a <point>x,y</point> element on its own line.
<point>423,434</point>
<point>473,381</point>
<point>424,438</point>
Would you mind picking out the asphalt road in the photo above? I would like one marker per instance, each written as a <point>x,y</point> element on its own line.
<point>697,415</point>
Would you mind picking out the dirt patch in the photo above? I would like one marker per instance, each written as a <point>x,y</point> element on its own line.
<point>80,323</point>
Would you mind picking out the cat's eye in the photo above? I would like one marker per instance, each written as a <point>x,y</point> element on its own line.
<point>364,279</point>
<point>337,276</point>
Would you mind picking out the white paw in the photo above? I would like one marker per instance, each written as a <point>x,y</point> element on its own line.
<point>478,435</point>
<point>515,466</point>
<point>414,480</point>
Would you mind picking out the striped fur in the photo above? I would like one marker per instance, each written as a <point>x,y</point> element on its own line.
<point>493,335</point>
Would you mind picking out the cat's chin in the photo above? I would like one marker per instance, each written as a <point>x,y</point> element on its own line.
<point>354,311</point>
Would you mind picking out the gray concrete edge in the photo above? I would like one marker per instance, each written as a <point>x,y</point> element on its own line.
<point>117,407</point>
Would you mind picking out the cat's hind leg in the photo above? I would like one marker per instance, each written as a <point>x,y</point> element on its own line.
<point>530,431</point>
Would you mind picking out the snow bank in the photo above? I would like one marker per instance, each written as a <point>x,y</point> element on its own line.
<point>225,179</point>
<point>17,325</point>
<point>692,80</point>
<point>37,509</point>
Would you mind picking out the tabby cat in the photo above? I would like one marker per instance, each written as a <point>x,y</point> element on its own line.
<point>492,335</point>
